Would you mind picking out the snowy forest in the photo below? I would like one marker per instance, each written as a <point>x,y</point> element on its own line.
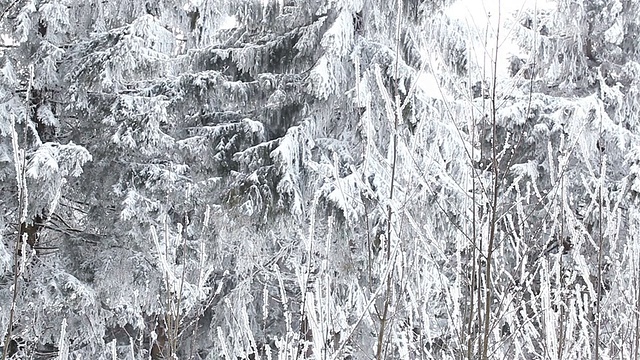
<point>319,179</point>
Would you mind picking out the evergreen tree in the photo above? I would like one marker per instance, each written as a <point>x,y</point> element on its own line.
<point>319,179</point>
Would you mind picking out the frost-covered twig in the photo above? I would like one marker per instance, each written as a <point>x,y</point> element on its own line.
<point>20,168</point>
<point>6,10</point>
<point>494,196</point>
<point>396,117</point>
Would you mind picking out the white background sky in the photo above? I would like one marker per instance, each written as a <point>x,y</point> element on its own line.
<point>477,15</point>
<point>479,12</point>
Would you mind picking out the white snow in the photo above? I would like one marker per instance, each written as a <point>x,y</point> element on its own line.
<point>429,87</point>
<point>487,16</point>
<point>228,22</point>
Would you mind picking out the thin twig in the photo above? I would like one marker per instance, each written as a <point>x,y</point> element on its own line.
<point>494,208</point>
<point>6,10</point>
<point>20,165</point>
<point>387,297</point>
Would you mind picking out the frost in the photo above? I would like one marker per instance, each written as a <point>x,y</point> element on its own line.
<point>254,126</point>
<point>288,152</point>
<point>228,22</point>
<point>44,164</point>
<point>63,346</point>
<point>322,80</point>
<point>338,40</point>
<point>6,261</point>
<point>615,34</point>
<point>8,73</point>
<point>153,34</point>
<point>251,171</point>
<point>529,169</point>
<point>513,114</point>
<point>56,16</point>
<point>310,35</point>
<point>192,4</point>
<point>344,194</point>
<point>428,87</point>
<point>277,99</point>
<point>289,156</point>
<point>45,115</point>
<point>24,21</point>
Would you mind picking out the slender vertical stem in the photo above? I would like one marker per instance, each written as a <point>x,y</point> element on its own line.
<point>387,298</point>
<point>16,275</point>
<point>170,299</point>
<point>637,337</point>
<point>561,331</point>
<point>478,241</point>
<point>600,241</point>
<point>473,282</point>
<point>494,205</point>
<point>20,166</point>
<point>175,331</point>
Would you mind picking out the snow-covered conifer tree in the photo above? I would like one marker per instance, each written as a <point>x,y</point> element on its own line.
<point>218,179</point>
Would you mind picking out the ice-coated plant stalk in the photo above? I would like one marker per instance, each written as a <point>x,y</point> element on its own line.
<point>20,168</point>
